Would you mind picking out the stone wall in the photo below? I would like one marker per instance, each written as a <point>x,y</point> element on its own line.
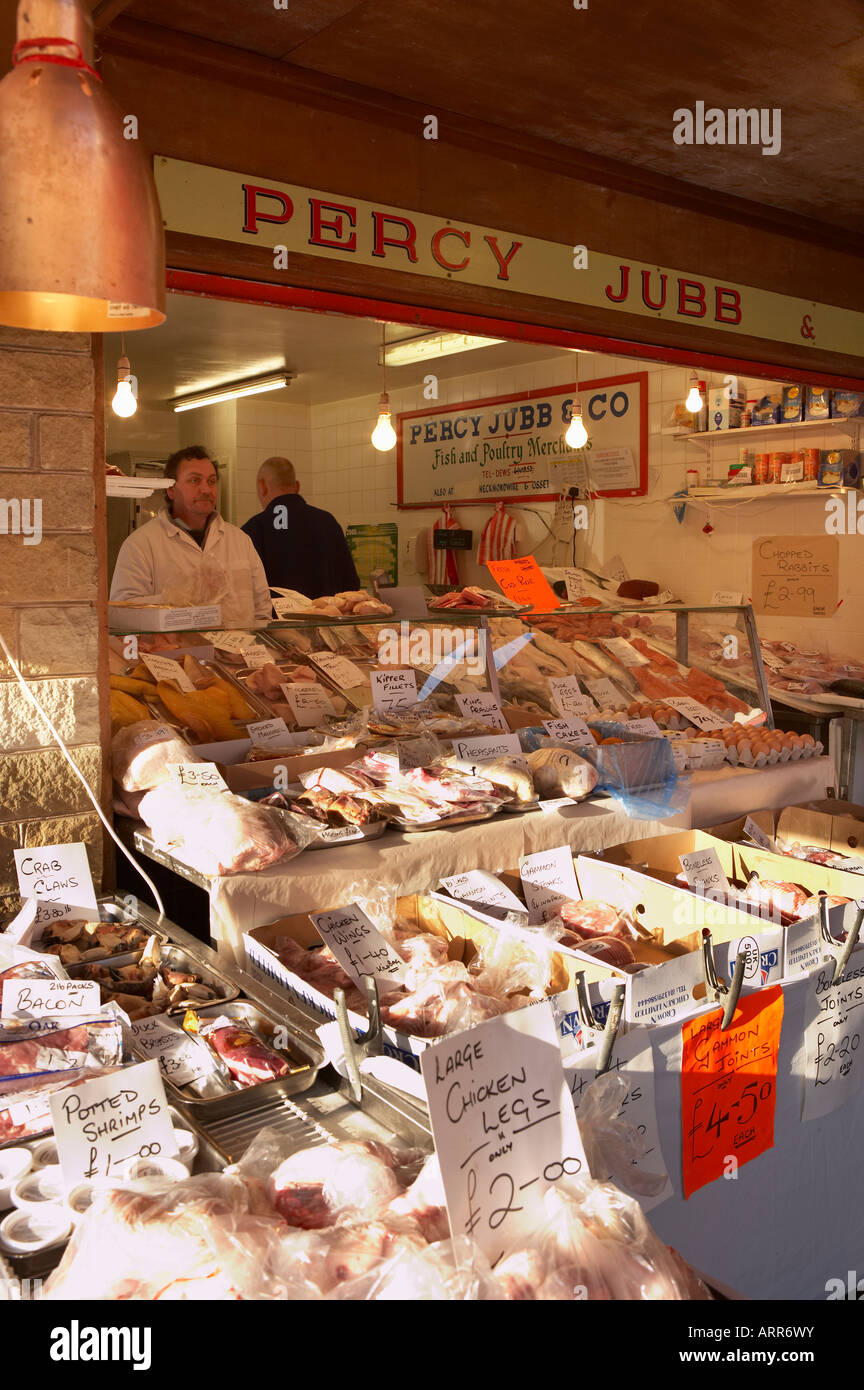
<point>49,595</point>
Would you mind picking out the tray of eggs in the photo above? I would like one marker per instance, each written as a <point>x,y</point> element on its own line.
<point>762,747</point>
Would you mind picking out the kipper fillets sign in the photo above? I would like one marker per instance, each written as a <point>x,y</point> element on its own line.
<point>504,1126</point>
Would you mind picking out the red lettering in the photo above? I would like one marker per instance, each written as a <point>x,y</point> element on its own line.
<point>722,294</point>
<point>646,298</point>
<point>625,286</point>
<point>319,224</point>
<point>464,237</point>
<point>503,261</point>
<point>251,215</point>
<point>693,294</point>
<point>379,240</point>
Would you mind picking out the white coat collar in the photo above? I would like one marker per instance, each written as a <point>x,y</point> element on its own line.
<point>170,527</point>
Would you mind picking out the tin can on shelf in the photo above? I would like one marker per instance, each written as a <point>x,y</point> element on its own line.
<point>811,465</point>
<point>775,466</point>
<point>762,469</point>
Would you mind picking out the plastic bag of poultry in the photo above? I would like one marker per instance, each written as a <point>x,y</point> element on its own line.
<point>516,967</point>
<point>209,584</point>
<point>203,1238</point>
<point>216,832</point>
<point>446,1000</point>
<point>561,771</point>
<point>412,1272</point>
<point>595,1243</point>
<point>141,754</point>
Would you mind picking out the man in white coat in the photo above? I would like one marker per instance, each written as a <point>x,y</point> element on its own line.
<point>190,548</point>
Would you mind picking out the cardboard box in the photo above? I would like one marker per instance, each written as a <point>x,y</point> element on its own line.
<point>243,776</point>
<point>133,617</point>
<point>830,824</point>
<point>517,718</point>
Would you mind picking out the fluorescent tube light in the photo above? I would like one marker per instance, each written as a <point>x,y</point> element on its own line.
<point>433,345</point>
<point>231,393</point>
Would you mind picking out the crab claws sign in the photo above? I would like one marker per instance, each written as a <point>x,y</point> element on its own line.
<point>511,446</point>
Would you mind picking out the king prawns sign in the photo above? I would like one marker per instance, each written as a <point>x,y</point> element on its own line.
<point>512,446</point>
<point>253,210</point>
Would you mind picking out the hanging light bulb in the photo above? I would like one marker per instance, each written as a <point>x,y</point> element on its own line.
<point>384,435</point>
<point>80,224</point>
<point>694,400</point>
<point>124,402</point>
<point>577,435</point>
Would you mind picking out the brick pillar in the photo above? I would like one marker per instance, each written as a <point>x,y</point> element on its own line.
<point>52,593</point>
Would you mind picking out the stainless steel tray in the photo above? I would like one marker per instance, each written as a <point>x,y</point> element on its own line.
<point>175,958</point>
<point>367,832</point>
<point>305,1055</point>
<point>411,828</point>
<point>108,910</point>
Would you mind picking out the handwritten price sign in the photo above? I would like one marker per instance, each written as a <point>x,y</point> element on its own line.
<point>728,1086</point>
<point>524,582</point>
<point>833,1028</point>
<point>504,1126</point>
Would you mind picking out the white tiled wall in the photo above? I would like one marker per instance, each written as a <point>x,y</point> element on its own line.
<point>340,470</point>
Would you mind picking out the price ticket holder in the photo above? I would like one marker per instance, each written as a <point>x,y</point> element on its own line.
<point>588,1019</point>
<point>368,1044</point>
<point>839,950</point>
<point>721,994</point>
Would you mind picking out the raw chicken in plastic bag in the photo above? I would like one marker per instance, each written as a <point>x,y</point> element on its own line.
<point>446,1000</point>
<point>218,833</point>
<point>207,1237</point>
<point>514,966</point>
<point>447,1270</point>
<point>141,754</point>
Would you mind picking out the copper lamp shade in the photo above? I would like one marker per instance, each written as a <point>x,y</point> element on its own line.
<point>82,247</point>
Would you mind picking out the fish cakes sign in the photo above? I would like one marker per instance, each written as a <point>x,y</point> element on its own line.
<point>512,446</point>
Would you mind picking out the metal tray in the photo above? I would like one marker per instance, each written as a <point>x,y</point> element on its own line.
<point>367,832</point>
<point>302,1052</point>
<point>480,612</point>
<point>412,828</point>
<point>515,808</point>
<point>176,958</point>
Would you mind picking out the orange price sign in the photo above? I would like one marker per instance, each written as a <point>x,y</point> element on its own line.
<point>728,1087</point>
<point>524,582</point>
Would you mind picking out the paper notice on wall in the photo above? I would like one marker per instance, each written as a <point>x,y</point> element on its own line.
<point>613,470</point>
<point>548,878</point>
<point>795,576</point>
<point>504,1126</point>
<point>57,873</point>
<point>646,1178</point>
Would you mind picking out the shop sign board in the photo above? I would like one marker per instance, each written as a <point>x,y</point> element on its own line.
<point>254,210</point>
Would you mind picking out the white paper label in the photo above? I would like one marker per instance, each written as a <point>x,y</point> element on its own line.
<point>573,731</point>
<point>664,993</point>
<point>665,596</point>
<point>615,569</point>
<point>758,836</point>
<point>358,945</point>
<point>256,657</point>
<point>575,581</point>
<point>231,641</point>
<point>478,750</point>
<point>833,1028</point>
<point>548,878</point>
<point>702,869</point>
<point>269,733</point>
<point>504,1126</point>
<point>697,714</point>
<point>309,702</point>
<point>283,607</point>
<point>606,694</point>
<point>483,706</point>
<point>644,726</point>
<point>338,834</point>
<point>164,668</point>
<point>555,803</point>
<point>393,690</point>
<point>55,999</point>
<point>478,886</point>
<point>568,698</point>
<point>58,873</point>
<point>645,1178</point>
<point>102,1123</point>
<point>805,948</point>
<point>792,472</point>
<point>198,775</point>
<point>180,1058</point>
<point>339,670</point>
<point>706,753</point>
<point>622,651</point>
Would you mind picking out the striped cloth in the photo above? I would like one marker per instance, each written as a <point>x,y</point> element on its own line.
<point>498,539</point>
<point>441,567</point>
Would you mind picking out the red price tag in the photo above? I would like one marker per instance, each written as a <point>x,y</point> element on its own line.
<point>728,1087</point>
<point>524,582</point>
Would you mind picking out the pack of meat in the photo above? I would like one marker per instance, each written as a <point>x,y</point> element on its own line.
<point>472,599</point>
<point>353,1221</point>
<point>781,901</point>
<point>218,833</point>
<point>247,1059</point>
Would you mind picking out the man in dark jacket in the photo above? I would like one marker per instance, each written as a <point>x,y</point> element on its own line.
<point>301,547</point>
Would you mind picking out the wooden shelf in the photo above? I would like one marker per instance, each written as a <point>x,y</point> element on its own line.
<point>707,438</point>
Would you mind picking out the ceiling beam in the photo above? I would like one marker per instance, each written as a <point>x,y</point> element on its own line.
<point>106,10</point>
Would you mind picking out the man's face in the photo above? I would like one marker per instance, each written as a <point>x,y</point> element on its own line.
<point>195,493</point>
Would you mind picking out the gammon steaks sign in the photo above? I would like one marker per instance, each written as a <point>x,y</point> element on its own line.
<point>511,446</point>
